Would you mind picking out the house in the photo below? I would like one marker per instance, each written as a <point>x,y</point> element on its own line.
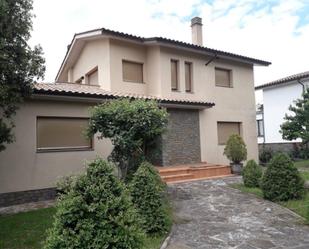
<point>208,93</point>
<point>278,95</point>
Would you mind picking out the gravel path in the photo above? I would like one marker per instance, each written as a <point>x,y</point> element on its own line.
<point>210,214</point>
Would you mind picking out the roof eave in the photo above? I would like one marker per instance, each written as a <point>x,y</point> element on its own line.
<point>47,94</point>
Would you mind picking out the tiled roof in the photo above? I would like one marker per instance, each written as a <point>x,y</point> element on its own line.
<point>284,80</point>
<point>80,90</point>
<point>182,44</point>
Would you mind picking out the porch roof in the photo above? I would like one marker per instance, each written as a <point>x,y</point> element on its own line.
<point>90,91</point>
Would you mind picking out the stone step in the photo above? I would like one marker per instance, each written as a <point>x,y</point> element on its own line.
<point>192,172</point>
<point>178,177</point>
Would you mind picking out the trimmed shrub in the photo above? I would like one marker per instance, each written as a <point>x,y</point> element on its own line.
<point>265,155</point>
<point>235,149</point>
<point>252,174</point>
<point>148,195</point>
<point>95,211</point>
<point>281,180</point>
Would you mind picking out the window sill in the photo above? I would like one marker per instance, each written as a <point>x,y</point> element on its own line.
<point>48,150</point>
<point>176,90</point>
<point>132,81</point>
<point>225,86</point>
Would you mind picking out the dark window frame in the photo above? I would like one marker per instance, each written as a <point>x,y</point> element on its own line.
<point>260,129</point>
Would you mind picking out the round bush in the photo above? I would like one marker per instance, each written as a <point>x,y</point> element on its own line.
<point>281,180</point>
<point>148,195</point>
<point>252,174</point>
<point>235,149</point>
<point>95,211</point>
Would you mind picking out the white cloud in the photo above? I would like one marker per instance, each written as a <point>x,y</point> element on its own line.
<point>269,33</point>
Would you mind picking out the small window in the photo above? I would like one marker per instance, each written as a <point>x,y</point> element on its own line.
<point>260,128</point>
<point>223,77</point>
<point>188,76</point>
<point>62,134</point>
<point>174,75</point>
<point>132,71</point>
<point>226,129</point>
<point>92,77</point>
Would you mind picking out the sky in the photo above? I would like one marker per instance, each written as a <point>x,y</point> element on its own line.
<point>271,30</point>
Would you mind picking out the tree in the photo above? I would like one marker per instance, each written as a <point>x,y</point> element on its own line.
<point>20,65</point>
<point>296,124</point>
<point>132,126</point>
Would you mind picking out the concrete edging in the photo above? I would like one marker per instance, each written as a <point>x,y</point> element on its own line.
<point>168,238</point>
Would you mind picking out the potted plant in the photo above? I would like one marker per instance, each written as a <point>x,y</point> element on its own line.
<point>235,150</point>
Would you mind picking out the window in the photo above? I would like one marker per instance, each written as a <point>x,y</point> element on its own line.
<point>226,129</point>
<point>174,75</point>
<point>188,76</point>
<point>223,77</point>
<point>92,77</point>
<point>260,128</point>
<point>61,133</point>
<point>132,71</point>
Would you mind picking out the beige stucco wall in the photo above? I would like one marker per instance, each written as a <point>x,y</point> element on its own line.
<point>236,104</point>
<point>126,51</point>
<point>232,104</point>
<point>22,168</point>
<point>94,54</point>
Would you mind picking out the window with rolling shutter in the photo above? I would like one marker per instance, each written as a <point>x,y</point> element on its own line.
<point>132,71</point>
<point>188,76</point>
<point>174,75</point>
<point>223,77</point>
<point>226,129</point>
<point>62,134</point>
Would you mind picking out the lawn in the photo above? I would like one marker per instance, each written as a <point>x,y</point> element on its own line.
<point>28,230</point>
<point>300,207</point>
<point>302,164</point>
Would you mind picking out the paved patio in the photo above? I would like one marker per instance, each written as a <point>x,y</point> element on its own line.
<point>210,214</point>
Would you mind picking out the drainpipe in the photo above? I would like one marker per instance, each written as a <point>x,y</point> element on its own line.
<point>302,85</point>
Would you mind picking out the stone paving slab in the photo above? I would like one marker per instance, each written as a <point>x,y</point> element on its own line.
<point>26,207</point>
<point>211,215</point>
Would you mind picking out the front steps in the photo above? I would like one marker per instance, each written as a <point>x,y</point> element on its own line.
<point>191,172</point>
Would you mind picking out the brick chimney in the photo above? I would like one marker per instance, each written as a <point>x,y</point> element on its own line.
<point>197,32</point>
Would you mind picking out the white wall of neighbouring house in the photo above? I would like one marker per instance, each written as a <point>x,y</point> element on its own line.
<point>23,168</point>
<point>276,101</point>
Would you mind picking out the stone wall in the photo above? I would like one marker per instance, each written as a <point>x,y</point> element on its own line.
<point>181,141</point>
<point>279,147</point>
<point>21,197</point>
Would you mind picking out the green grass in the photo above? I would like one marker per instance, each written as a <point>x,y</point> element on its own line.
<point>300,207</point>
<point>243,188</point>
<point>28,230</point>
<point>25,230</point>
<point>302,164</point>
<point>305,175</point>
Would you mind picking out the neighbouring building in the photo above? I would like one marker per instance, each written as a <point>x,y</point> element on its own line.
<point>278,95</point>
<point>208,93</point>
